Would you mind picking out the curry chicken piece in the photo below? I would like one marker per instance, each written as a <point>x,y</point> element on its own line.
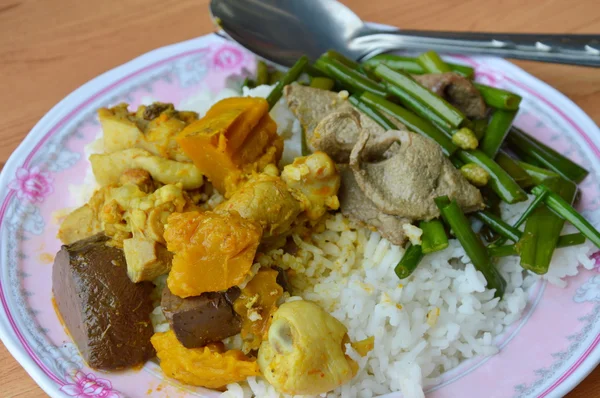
<point>267,200</point>
<point>151,128</point>
<point>315,180</point>
<point>304,352</point>
<point>133,216</point>
<point>308,186</point>
<point>109,167</point>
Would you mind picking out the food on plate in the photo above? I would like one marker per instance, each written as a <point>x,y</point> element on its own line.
<point>355,205</point>
<point>256,305</point>
<point>235,137</point>
<point>420,173</point>
<point>304,352</point>
<point>314,107</point>
<point>209,366</point>
<point>151,128</point>
<point>200,320</point>
<point>314,180</point>
<point>146,259</point>
<point>107,315</point>
<point>266,200</point>
<point>108,168</point>
<point>221,245</point>
<point>457,90</point>
<point>398,239</point>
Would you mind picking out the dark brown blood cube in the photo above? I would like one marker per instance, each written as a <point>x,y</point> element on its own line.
<point>200,320</point>
<point>107,315</point>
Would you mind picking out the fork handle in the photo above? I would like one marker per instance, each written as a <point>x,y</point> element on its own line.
<point>566,49</point>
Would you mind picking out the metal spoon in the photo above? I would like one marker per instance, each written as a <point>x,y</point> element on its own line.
<point>283,30</point>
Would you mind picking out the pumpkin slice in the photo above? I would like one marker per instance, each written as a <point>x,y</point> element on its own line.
<point>212,251</point>
<point>209,366</point>
<point>231,141</point>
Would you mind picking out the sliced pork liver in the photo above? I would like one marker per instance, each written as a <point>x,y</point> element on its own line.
<point>406,184</point>
<point>356,206</point>
<point>311,105</point>
<point>457,90</point>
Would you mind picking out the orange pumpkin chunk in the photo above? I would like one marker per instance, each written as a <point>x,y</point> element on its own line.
<point>212,251</point>
<point>234,138</point>
<point>251,109</point>
<point>208,366</point>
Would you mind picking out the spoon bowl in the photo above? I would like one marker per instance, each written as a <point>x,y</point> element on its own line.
<point>283,30</point>
<point>289,29</point>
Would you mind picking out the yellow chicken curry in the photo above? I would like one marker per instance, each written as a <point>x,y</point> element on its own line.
<point>157,173</point>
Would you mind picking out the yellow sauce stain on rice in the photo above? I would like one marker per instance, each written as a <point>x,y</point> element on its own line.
<point>432,316</point>
<point>366,287</point>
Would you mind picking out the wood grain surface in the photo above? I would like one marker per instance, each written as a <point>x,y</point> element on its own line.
<point>48,48</point>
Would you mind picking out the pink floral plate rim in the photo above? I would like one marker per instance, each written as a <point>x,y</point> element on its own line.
<point>34,184</point>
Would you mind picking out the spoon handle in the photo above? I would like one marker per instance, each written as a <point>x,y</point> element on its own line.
<point>565,49</point>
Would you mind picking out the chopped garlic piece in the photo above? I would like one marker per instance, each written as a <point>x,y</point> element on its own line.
<point>413,233</point>
<point>343,94</point>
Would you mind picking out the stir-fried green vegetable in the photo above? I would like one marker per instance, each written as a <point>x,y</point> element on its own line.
<point>523,217</point>
<point>410,65</point>
<point>543,228</point>
<point>498,98</point>
<point>275,76</point>
<point>558,204</point>
<point>262,73</point>
<point>314,71</point>
<point>409,262</point>
<point>439,105</point>
<point>372,113</point>
<point>479,126</point>
<point>538,174</point>
<point>432,63</point>
<point>513,250</point>
<point>502,183</point>
<point>324,83</point>
<point>411,121</point>
<point>343,59</point>
<point>532,151</point>
<point>496,131</point>
<point>417,107</point>
<point>381,84</point>
<point>453,215</point>
<point>291,76</point>
<point>434,236</point>
<point>353,81</point>
<point>514,169</point>
<point>248,83</point>
<point>498,225</point>
<point>350,63</point>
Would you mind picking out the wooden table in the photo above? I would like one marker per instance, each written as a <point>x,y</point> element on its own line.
<point>50,47</point>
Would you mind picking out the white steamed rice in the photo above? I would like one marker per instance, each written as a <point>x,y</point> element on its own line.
<point>424,325</point>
